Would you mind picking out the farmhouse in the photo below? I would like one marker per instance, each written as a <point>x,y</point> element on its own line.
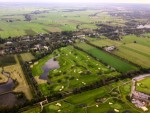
<point>110,48</point>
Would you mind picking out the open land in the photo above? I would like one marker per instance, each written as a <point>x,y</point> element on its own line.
<point>27,56</point>
<point>143,85</point>
<point>129,47</point>
<point>113,61</point>
<point>16,73</point>
<point>76,69</point>
<point>104,99</point>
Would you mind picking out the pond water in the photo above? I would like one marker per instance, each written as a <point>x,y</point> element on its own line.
<point>7,98</point>
<point>6,87</point>
<point>10,99</point>
<point>49,65</point>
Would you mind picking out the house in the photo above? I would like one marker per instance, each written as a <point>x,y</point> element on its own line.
<point>2,52</point>
<point>144,108</point>
<point>110,48</point>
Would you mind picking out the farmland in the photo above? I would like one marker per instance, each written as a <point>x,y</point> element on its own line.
<point>7,60</point>
<point>127,49</point>
<point>104,99</point>
<point>49,20</point>
<point>27,56</point>
<point>18,75</point>
<point>76,69</point>
<point>107,58</point>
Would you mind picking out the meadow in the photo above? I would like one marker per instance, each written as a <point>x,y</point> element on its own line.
<point>27,57</point>
<point>105,57</point>
<point>138,53</point>
<point>76,69</point>
<point>102,100</point>
<point>143,85</point>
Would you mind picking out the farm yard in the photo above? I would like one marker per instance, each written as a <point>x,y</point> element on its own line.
<point>130,48</point>
<point>111,98</point>
<point>105,57</point>
<point>76,69</point>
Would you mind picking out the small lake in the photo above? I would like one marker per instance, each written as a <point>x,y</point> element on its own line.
<point>8,86</point>
<point>49,65</point>
<point>8,98</point>
<point>143,26</point>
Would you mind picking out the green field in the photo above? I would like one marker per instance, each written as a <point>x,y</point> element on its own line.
<point>27,56</point>
<point>143,85</point>
<point>113,61</point>
<point>138,53</point>
<point>99,100</point>
<point>55,20</point>
<point>76,69</point>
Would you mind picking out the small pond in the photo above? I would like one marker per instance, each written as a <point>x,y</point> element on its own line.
<point>49,65</point>
<point>7,97</point>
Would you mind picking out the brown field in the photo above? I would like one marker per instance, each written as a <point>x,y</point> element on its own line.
<point>17,74</point>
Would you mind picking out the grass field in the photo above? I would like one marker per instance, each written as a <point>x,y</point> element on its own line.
<point>138,53</point>
<point>7,60</point>
<point>107,58</point>
<point>76,69</point>
<point>143,85</point>
<point>101,100</point>
<point>55,20</point>
<point>27,56</point>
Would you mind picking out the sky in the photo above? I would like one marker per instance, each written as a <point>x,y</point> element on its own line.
<point>68,1</point>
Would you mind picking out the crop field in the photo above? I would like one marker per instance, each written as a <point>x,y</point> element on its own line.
<point>7,60</point>
<point>138,53</point>
<point>76,69</point>
<point>105,42</point>
<point>27,56</point>
<point>143,85</point>
<point>101,100</point>
<point>113,61</point>
<point>53,20</point>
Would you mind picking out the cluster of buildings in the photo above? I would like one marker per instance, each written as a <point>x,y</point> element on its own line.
<point>141,100</point>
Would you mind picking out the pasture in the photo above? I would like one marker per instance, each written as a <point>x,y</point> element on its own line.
<point>76,69</point>
<point>27,56</point>
<point>138,53</point>
<point>113,61</point>
<point>143,85</point>
<point>102,100</point>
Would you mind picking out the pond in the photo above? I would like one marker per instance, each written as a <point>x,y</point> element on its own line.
<point>49,65</point>
<point>6,87</point>
<point>6,93</point>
